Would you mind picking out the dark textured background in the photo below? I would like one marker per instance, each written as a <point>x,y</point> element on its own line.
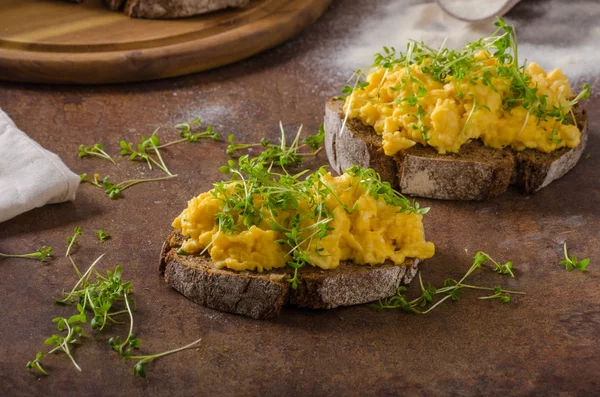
<point>543,343</point>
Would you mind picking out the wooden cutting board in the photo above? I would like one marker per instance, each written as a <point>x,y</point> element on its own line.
<point>53,41</point>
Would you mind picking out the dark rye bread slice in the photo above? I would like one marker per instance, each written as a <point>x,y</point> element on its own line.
<point>261,295</point>
<point>114,5</point>
<point>475,173</point>
<point>157,9</point>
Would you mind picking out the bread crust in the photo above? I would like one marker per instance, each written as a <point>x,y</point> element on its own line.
<point>475,173</point>
<point>157,9</point>
<point>261,295</point>
<point>114,5</point>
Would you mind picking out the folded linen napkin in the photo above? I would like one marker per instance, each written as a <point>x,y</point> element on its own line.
<point>30,176</point>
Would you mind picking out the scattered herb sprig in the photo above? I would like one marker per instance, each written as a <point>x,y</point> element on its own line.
<point>500,268</point>
<point>61,343</point>
<point>36,363</point>
<point>187,134</point>
<point>72,240</point>
<point>572,262</point>
<point>95,150</point>
<point>107,298</point>
<point>102,235</point>
<point>41,254</point>
<point>114,190</point>
<point>148,151</point>
<point>144,360</point>
<point>281,154</point>
<point>450,289</point>
<point>143,152</point>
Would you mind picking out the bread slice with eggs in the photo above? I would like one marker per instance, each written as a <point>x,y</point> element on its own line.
<point>477,172</point>
<point>261,295</point>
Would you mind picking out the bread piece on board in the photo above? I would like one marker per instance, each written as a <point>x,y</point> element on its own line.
<point>261,295</point>
<point>114,5</point>
<point>156,9</point>
<point>475,173</point>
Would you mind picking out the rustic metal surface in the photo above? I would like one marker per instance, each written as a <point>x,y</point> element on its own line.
<point>544,343</point>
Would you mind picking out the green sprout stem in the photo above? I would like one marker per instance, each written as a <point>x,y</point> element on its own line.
<point>175,142</point>
<point>130,340</point>
<point>82,279</point>
<point>41,254</point>
<point>37,363</point>
<point>74,266</point>
<point>151,357</point>
<point>138,368</point>
<point>132,182</point>
<point>451,289</point>
<point>162,164</point>
<point>95,150</point>
<point>573,263</point>
<point>64,344</point>
<point>73,240</point>
<point>114,190</point>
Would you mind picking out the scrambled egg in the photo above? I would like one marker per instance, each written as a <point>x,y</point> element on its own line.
<point>458,111</point>
<point>371,234</point>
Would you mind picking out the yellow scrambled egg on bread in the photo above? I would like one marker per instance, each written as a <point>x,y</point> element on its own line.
<point>361,227</point>
<point>406,106</point>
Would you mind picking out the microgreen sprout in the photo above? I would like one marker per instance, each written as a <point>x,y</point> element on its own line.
<point>233,146</point>
<point>72,240</point>
<point>41,254</point>
<point>61,343</point>
<point>99,297</point>
<point>500,268</point>
<point>144,360</point>
<point>499,294</point>
<point>187,134</point>
<point>105,297</point>
<point>315,142</point>
<point>95,150</point>
<point>281,154</point>
<point>94,181</point>
<point>102,235</point>
<point>114,190</point>
<point>142,152</point>
<point>37,363</point>
<point>450,289</point>
<point>572,262</point>
<point>131,342</point>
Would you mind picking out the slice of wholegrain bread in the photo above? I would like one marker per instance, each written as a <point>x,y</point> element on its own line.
<point>177,8</point>
<point>261,295</point>
<point>114,5</point>
<point>475,173</point>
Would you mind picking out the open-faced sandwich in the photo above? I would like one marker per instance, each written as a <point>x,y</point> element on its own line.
<point>458,125</point>
<point>264,239</point>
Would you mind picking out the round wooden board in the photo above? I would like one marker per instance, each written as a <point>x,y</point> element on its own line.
<point>53,41</point>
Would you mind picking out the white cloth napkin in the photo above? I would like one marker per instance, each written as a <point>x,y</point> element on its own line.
<point>30,176</point>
